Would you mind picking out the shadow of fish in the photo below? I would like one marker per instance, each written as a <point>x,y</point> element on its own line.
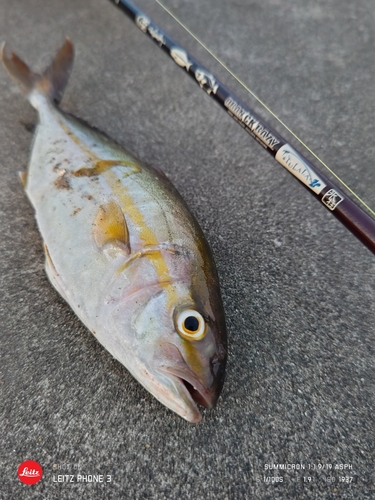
<point>123,250</point>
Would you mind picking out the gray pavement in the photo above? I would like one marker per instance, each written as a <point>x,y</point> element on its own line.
<point>298,288</point>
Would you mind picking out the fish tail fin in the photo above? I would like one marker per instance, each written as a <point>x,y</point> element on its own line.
<point>51,82</point>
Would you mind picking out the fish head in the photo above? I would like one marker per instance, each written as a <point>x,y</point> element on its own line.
<point>172,339</point>
<point>182,347</point>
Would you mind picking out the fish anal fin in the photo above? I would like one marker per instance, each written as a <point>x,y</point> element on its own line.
<point>49,260</point>
<point>52,273</point>
<point>23,178</point>
<point>110,228</point>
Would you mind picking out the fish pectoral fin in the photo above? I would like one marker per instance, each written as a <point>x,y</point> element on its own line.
<point>110,230</point>
<point>101,166</point>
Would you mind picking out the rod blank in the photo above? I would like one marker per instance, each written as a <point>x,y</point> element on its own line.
<point>343,208</point>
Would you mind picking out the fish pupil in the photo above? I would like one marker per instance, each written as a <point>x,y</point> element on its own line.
<point>191,324</point>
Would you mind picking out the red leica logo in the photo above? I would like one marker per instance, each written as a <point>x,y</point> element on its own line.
<point>30,472</point>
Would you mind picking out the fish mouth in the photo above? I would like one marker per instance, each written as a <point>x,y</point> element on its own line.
<point>191,391</point>
<point>198,394</point>
<point>188,390</point>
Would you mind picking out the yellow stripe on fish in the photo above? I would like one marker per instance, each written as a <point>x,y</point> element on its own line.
<point>146,234</point>
<point>128,206</point>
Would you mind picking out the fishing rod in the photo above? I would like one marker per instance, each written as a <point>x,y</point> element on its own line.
<point>339,204</point>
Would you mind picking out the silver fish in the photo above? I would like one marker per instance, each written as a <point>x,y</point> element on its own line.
<point>181,58</point>
<point>123,250</point>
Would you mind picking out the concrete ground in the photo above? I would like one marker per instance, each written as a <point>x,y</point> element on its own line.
<point>298,288</point>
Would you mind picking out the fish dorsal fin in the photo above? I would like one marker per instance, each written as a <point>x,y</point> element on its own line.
<point>101,166</point>
<point>110,228</point>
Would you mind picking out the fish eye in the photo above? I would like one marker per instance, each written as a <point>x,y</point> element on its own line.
<point>190,324</point>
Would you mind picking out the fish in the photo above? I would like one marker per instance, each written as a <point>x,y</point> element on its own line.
<point>123,249</point>
<point>181,58</point>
